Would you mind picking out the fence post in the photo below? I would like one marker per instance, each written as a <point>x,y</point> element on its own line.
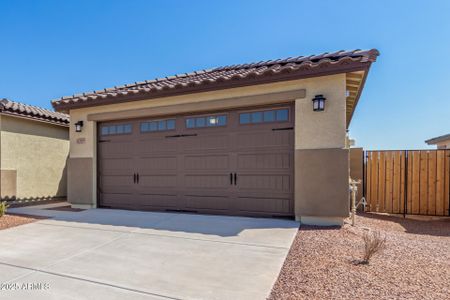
<point>448,152</point>
<point>405,186</point>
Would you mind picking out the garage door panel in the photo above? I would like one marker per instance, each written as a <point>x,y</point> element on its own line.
<point>261,182</point>
<point>207,162</point>
<point>205,142</point>
<point>264,205</point>
<point>146,148</point>
<point>115,149</point>
<point>115,200</point>
<point>208,202</point>
<point>206,181</point>
<point>264,139</point>
<point>264,161</point>
<point>117,166</point>
<point>157,163</point>
<point>157,181</point>
<point>158,201</point>
<point>116,182</point>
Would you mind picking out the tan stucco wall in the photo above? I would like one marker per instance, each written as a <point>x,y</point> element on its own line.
<point>80,182</point>
<point>325,129</point>
<point>322,190</point>
<point>314,130</point>
<point>321,160</point>
<point>8,186</point>
<point>444,144</point>
<point>38,152</point>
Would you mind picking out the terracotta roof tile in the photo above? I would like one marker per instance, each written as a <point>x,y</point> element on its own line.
<point>218,77</point>
<point>33,112</point>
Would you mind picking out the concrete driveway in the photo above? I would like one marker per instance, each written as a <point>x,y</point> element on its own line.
<point>118,254</point>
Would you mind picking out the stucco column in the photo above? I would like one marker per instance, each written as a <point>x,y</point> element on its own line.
<point>82,166</point>
<point>321,159</point>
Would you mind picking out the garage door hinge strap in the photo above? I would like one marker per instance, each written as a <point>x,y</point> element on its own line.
<point>285,128</point>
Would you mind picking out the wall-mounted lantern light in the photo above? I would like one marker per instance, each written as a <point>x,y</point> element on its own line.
<point>319,103</point>
<point>78,126</point>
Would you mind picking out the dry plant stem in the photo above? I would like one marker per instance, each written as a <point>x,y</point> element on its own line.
<point>374,242</point>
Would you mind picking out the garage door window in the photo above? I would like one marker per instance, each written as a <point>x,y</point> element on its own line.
<point>267,116</point>
<point>206,121</point>
<point>160,125</point>
<point>116,129</point>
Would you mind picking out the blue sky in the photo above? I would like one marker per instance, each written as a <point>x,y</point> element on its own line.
<point>54,48</point>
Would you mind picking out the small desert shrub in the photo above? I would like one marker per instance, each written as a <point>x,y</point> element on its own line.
<point>374,242</point>
<point>3,207</point>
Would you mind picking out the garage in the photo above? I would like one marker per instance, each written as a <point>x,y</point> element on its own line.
<point>260,139</point>
<point>237,162</point>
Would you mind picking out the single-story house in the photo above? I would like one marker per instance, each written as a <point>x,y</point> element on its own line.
<point>441,142</point>
<point>256,139</point>
<point>34,147</point>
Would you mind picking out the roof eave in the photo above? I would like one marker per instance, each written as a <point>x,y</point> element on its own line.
<point>366,72</point>
<point>438,139</point>
<point>37,119</point>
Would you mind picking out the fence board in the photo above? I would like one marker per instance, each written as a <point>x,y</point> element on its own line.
<point>431,201</point>
<point>440,183</point>
<point>415,196</point>
<point>374,181</point>
<point>447,183</point>
<point>409,181</point>
<point>423,182</point>
<point>368,177</point>
<point>381,183</point>
<point>388,180</point>
<point>396,179</point>
<point>423,175</point>
<point>402,181</point>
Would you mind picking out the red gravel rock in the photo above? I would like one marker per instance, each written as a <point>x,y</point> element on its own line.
<point>414,265</point>
<point>8,221</point>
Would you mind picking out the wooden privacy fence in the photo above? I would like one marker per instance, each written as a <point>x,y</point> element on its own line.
<point>408,181</point>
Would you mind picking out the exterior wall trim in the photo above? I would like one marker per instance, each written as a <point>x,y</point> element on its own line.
<point>219,104</point>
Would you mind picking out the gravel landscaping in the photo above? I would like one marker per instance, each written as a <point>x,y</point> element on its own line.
<point>8,221</point>
<point>415,263</point>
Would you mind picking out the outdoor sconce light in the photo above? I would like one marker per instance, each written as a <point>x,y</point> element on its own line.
<point>319,103</point>
<point>78,126</point>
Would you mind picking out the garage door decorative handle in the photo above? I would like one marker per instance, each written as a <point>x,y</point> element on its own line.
<point>134,178</point>
<point>235,179</point>
<point>137,178</point>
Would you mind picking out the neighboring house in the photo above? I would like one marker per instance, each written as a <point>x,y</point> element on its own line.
<point>238,140</point>
<point>441,142</point>
<point>34,146</point>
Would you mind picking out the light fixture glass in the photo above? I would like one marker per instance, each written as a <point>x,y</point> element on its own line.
<point>78,126</point>
<point>319,103</point>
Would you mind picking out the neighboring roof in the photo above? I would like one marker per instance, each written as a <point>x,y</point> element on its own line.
<point>438,139</point>
<point>226,77</point>
<point>33,112</point>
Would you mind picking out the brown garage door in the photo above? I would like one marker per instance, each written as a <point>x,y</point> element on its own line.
<point>233,162</point>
